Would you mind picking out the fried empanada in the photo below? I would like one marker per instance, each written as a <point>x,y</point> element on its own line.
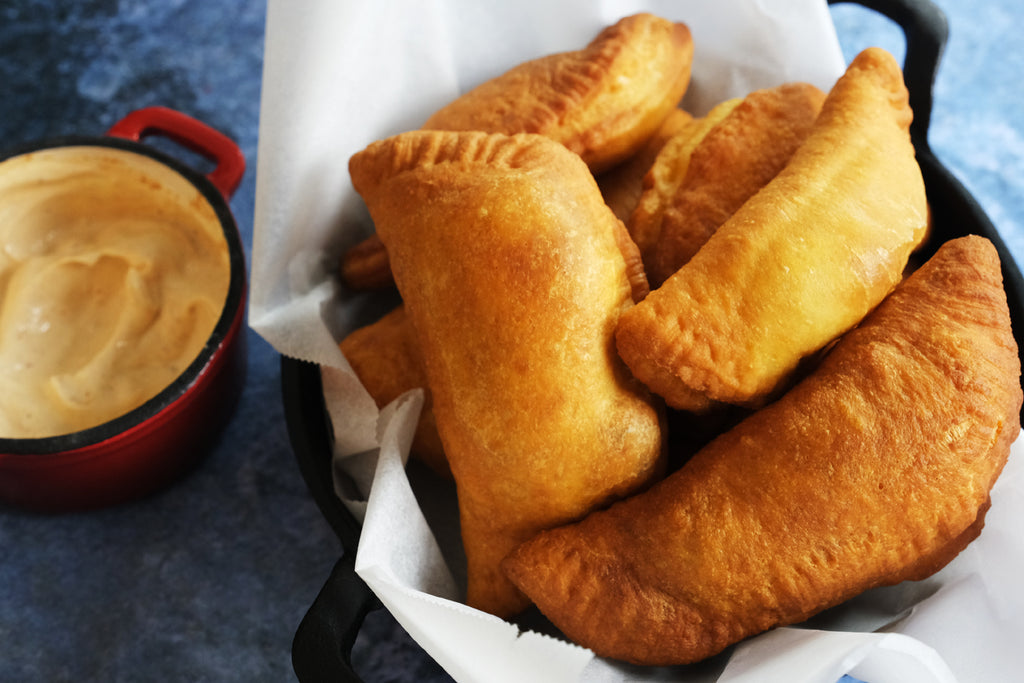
<point>799,263</point>
<point>385,357</point>
<point>512,272</point>
<point>728,166</point>
<point>602,102</point>
<point>873,470</point>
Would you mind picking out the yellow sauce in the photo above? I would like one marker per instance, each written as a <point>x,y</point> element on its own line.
<point>113,272</point>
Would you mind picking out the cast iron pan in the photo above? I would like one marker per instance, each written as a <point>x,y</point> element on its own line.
<point>321,650</point>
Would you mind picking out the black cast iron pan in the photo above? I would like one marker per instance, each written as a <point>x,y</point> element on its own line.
<point>321,650</point>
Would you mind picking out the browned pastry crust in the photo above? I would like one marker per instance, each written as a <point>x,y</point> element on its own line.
<point>365,266</point>
<point>875,469</point>
<point>799,263</point>
<point>602,102</point>
<point>730,164</point>
<point>666,175</point>
<point>512,274</point>
<point>576,98</point>
<point>622,185</point>
<point>385,357</point>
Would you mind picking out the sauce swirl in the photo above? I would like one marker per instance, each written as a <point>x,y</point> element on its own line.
<point>113,272</point>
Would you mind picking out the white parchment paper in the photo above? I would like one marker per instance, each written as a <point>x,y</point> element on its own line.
<point>339,74</point>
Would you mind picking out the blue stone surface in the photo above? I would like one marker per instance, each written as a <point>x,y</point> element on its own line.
<point>208,580</point>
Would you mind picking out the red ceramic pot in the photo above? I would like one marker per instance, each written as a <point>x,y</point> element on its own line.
<point>147,448</point>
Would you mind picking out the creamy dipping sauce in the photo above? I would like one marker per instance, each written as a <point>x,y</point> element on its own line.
<point>113,273</point>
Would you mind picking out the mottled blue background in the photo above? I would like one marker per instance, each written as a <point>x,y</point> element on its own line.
<point>208,579</point>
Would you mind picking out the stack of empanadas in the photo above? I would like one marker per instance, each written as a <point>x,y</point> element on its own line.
<point>578,259</point>
<point>873,470</point>
<point>574,98</point>
<point>728,165</point>
<point>799,263</point>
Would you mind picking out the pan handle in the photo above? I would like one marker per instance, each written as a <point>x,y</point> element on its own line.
<point>191,134</point>
<point>322,646</point>
<point>926,30</point>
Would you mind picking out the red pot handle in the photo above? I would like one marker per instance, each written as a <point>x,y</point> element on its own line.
<point>191,134</point>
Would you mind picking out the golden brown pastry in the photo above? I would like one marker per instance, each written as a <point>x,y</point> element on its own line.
<point>602,102</point>
<point>728,166</point>
<point>622,185</point>
<point>667,173</point>
<point>512,273</point>
<point>799,263</point>
<point>385,357</point>
<point>875,469</point>
<point>365,266</point>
